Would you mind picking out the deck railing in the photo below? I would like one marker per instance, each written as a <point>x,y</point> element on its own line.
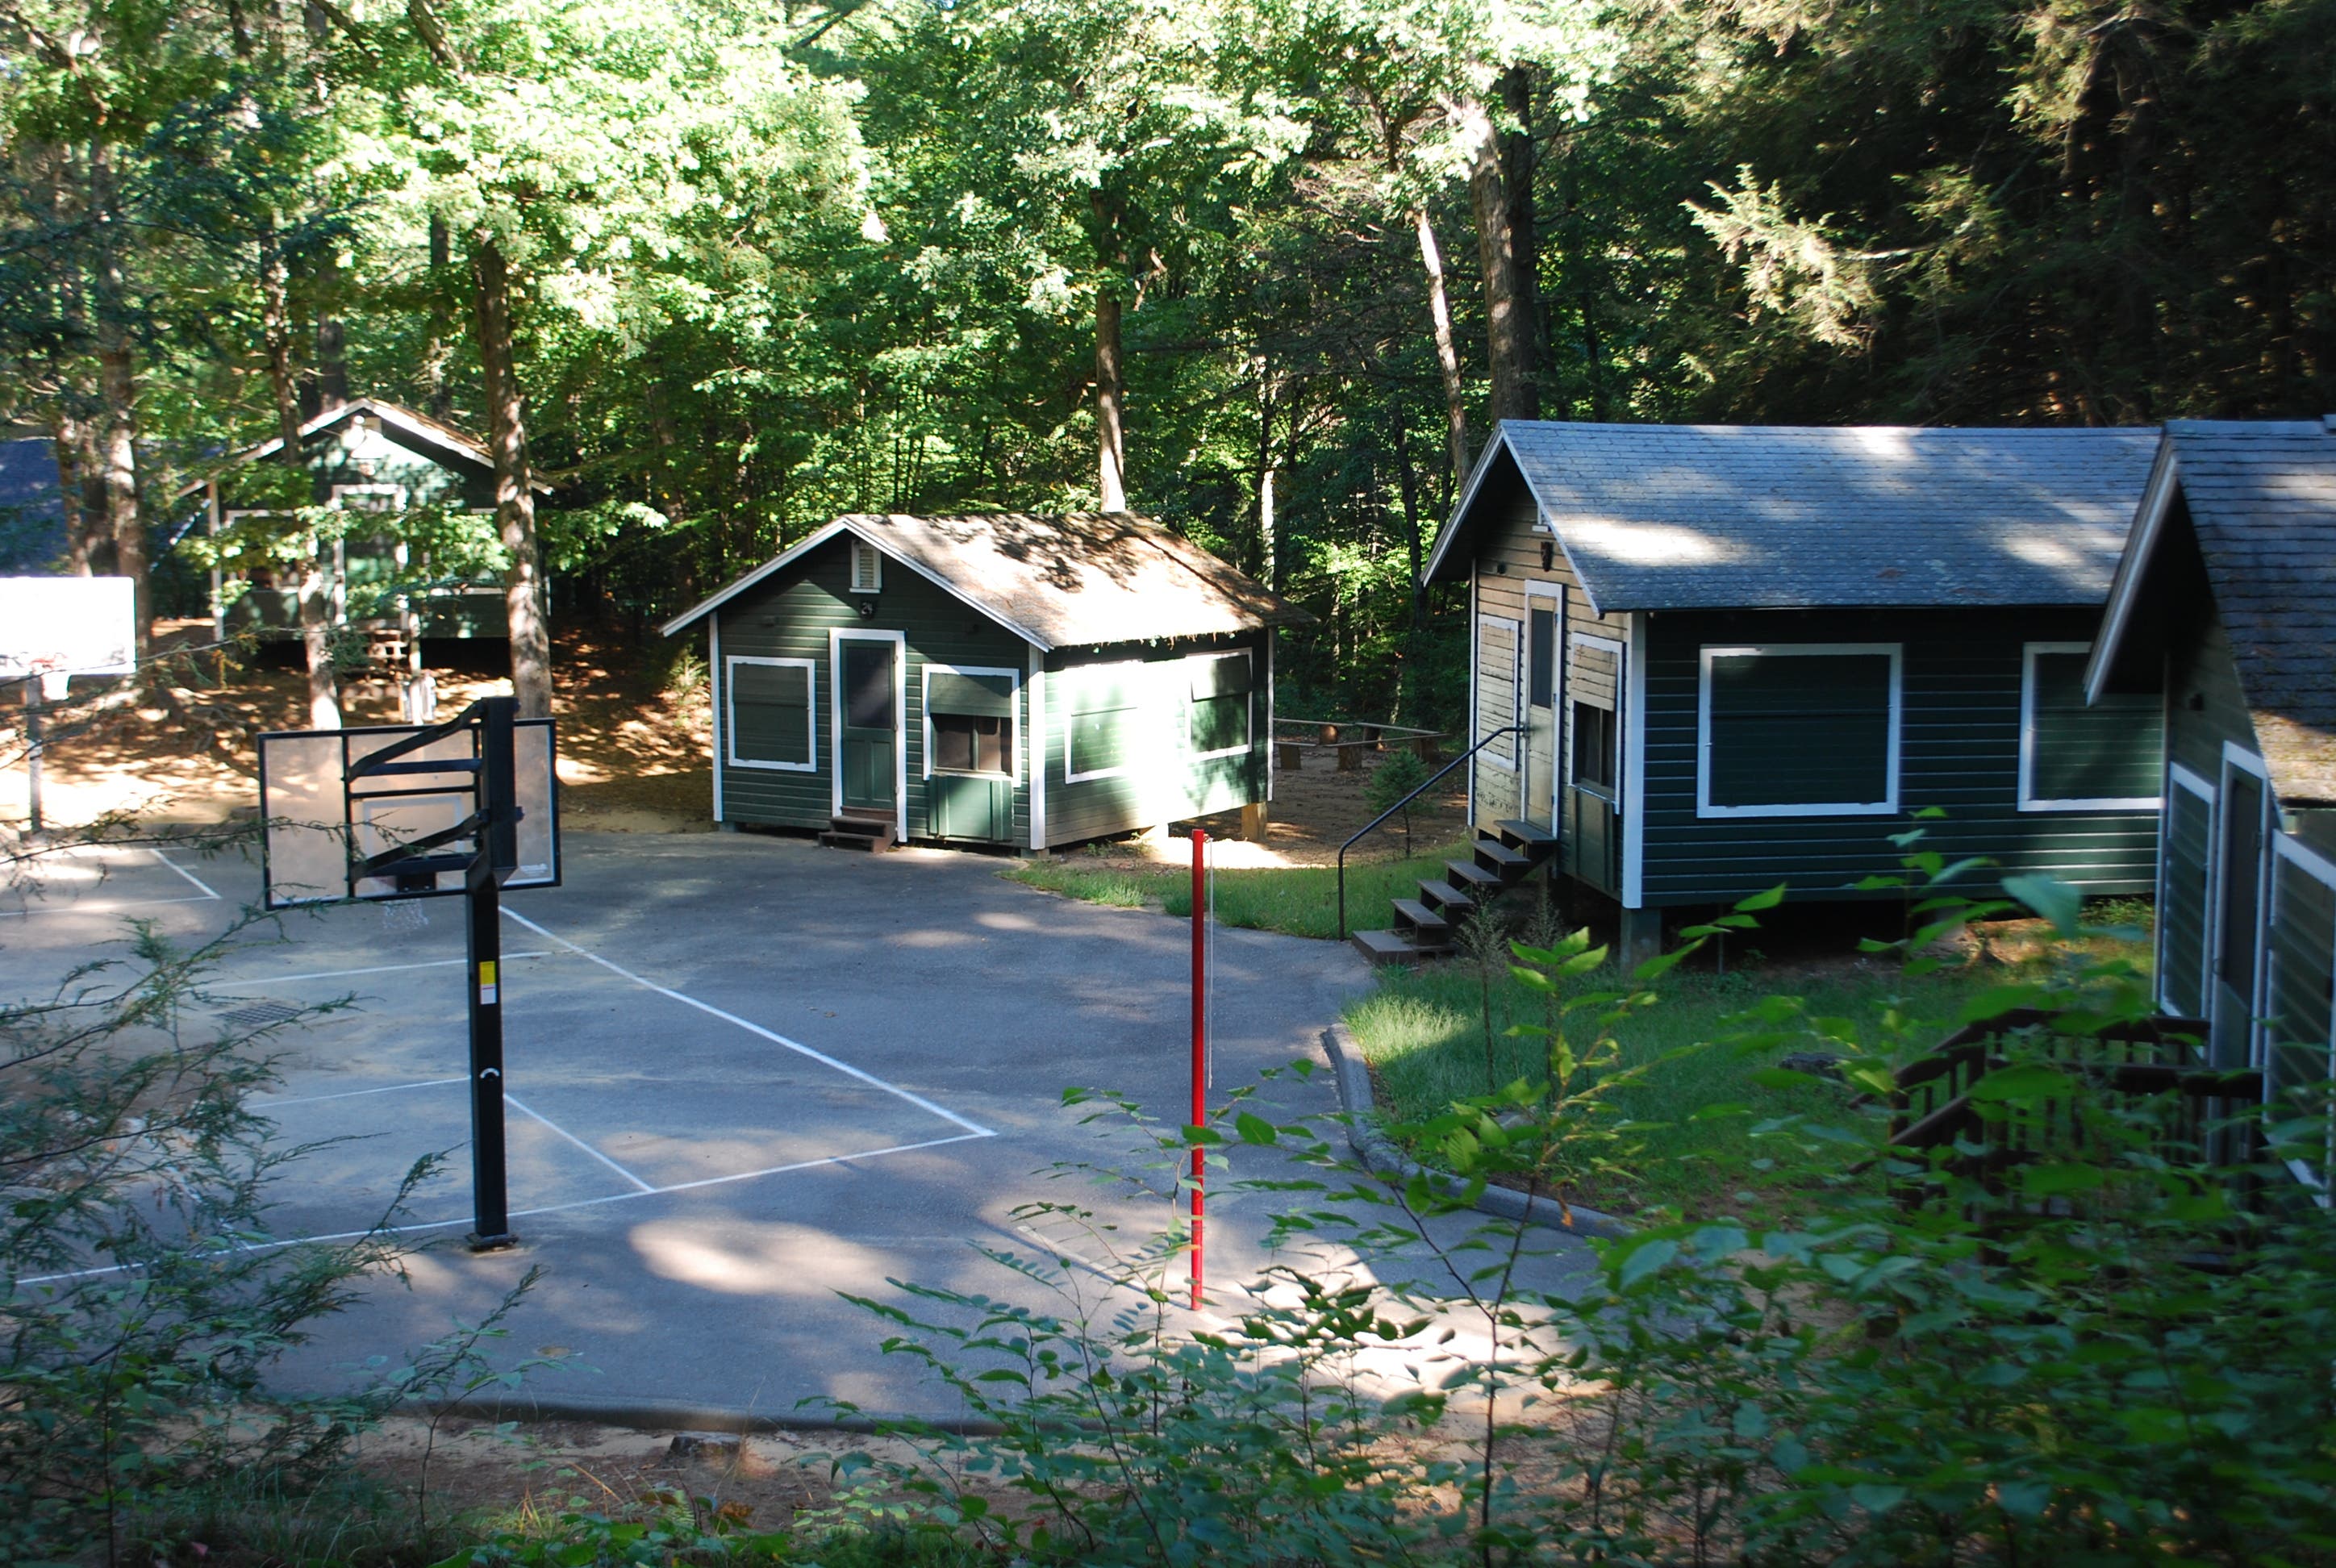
<point>1378,821</point>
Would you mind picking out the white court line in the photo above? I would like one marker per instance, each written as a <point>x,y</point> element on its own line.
<point>264,981</point>
<point>549,1208</point>
<point>975,1128</point>
<point>353,1093</point>
<point>106,909</point>
<point>200,884</point>
<point>512,1099</point>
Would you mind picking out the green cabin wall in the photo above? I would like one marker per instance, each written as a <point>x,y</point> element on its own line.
<point>791,615</point>
<point>1958,749</point>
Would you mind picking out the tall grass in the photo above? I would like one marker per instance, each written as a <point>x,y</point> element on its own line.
<point>1297,901</point>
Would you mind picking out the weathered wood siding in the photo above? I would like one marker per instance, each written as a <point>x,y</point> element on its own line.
<point>789,616</point>
<point>1508,558</point>
<point>1958,749</point>
<point>1156,775</point>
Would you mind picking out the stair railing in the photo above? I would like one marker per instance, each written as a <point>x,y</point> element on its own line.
<point>1369,827</point>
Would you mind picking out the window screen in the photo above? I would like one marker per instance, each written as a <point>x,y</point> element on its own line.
<point>1593,745</point>
<point>1221,703</point>
<point>2108,751</point>
<point>868,684</point>
<point>972,743</point>
<point>770,713</point>
<point>1541,657</point>
<point>1798,730</point>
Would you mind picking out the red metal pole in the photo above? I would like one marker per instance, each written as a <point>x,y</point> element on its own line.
<point>1200,1043</point>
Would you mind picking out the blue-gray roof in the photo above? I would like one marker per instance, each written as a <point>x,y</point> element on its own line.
<point>32,511</point>
<point>1717,516</point>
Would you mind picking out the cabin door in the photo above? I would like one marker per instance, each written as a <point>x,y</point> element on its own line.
<point>1544,632</point>
<point>867,722</point>
<point>1592,829</point>
<point>2238,933</point>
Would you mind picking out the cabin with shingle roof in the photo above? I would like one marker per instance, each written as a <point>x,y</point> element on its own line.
<point>2225,601</point>
<point>1709,660</point>
<point>992,679</point>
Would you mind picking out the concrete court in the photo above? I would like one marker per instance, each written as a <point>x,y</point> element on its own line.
<point>746,1074</point>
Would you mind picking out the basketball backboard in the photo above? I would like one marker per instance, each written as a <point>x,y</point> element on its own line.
<point>57,628</point>
<point>324,817</point>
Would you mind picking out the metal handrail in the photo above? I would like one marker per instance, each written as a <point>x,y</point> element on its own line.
<point>1370,826</point>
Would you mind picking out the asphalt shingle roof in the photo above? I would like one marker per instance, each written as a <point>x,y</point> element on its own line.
<point>2262,496</point>
<point>1674,516</point>
<point>1062,580</point>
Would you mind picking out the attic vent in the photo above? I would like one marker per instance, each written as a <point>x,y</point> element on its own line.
<point>867,569</point>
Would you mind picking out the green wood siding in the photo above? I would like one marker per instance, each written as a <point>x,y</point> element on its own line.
<point>2080,751</point>
<point>1958,749</point>
<point>1141,717</point>
<point>789,616</point>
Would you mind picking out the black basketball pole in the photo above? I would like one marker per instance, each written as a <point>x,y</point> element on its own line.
<point>497,858</point>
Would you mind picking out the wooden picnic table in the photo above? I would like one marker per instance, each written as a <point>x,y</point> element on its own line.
<point>1347,741</point>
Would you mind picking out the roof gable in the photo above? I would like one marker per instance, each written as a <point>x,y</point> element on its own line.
<point>2260,499</point>
<point>1665,517</point>
<point>1055,582</point>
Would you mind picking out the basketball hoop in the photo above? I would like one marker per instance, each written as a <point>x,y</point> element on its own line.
<point>403,917</point>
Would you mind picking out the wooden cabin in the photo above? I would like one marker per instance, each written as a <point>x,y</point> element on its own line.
<point>2225,601</point>
<point>1710,661</point>
<point>369,455</point>
<point>993,678</point>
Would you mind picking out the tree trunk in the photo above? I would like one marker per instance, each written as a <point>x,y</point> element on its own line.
<point>1525,240</point>
<point>530,638</point>
<point>1507,339</point>
<point>1447,351</point>
<point>316,581</point>
<point>66,440</point>
<point>117,387</point>
<point>97,533</point>
<point>1267,550</point>
<point>440,401</point>
<point>1407,486</point>
<point>332,342</point>
<point>1111,443</point>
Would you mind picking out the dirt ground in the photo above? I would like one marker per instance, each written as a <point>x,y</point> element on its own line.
<point>634,750</point>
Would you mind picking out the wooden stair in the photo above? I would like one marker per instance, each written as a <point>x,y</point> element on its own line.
<point>871,834</point>
<point>1426,927</point>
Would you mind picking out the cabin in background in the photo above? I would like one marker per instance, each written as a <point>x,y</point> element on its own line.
<point>2225,601</point>
<point>993,678</point>
<point>1707,660</point>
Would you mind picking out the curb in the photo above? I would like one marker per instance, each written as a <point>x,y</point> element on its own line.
<point>1383,1159</point>
<point>671,1415</point>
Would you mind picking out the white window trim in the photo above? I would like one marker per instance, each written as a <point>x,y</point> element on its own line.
<point>1014,700</point>
<point>1035,739</point>
<point>1634,761</point>
<point>1888,806</point>
<point>730,713</point>
<point>1611,794</point>
<point>2237,758</point>
<point>2178,778</point>
<point>396,493</point>
<point>1553,594</point>
<point>861,550</point>
<point>721,695</point>
<point>1191,707</point>
<point>1516,628</point>
<point>837,636</point>
<point>1071,711</point>
<point>2028,800</point>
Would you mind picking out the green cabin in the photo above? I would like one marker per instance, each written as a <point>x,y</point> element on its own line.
<point>367,455</point>
<point>993,678</point>
<point>2225,601</point>
<point>1707,660</point>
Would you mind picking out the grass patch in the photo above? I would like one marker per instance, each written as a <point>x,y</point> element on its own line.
<point>1296,900</point>
<point>1423,1034</point>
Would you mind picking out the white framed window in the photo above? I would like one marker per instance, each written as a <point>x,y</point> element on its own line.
<point>1102,731</point>
<point>1798,730</point>
<point>867,568</point>
<point>1220,685</point>
<point>1593,718</point>
<point>768,705</point>
<point>2186,890</point>
<point>969,720</point>
<point>369,497</point>
<point>2075,756</point>
<point>2299,1005</point>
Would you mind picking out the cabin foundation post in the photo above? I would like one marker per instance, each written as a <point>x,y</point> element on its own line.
<point>1253,822</point>
<point>1639,937</point>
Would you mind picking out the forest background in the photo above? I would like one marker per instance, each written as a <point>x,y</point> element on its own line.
<point>1265,270</point>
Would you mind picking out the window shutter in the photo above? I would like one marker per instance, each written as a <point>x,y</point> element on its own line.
<point>983,696</point>
<point>867,568</point>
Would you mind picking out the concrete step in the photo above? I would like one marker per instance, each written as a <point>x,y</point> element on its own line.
<point>1389,947</point>
<point>1424,923</point>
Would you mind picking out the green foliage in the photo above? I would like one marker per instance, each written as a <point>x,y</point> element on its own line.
<point>1297,901</point>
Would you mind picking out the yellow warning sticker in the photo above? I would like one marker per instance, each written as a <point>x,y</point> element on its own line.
<point>487,988</point>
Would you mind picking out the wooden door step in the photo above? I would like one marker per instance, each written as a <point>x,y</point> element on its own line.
<point>1390,947</point>
<point>871,834</point>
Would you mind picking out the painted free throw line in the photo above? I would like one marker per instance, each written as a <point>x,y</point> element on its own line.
<point>974,1129</point>
<point>204,893</point>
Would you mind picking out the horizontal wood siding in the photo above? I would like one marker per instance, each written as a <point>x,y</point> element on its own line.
<point>1959,750</point>
<point>1160,779</point>
<point>1508,558</point>
<point>2302,938</point>
<point>789,616</point>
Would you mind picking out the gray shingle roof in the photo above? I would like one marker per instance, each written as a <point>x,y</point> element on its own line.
<point>32,508</point>
<point>1669,517</point>
<point>2262,496</point>
<point>1063,581</point>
